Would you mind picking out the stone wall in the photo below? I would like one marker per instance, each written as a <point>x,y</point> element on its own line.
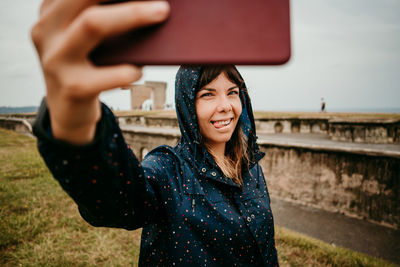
<point>142,141</point>
<point>378,132</point>
<point>159,93</point>
<point>367,131</point>
<point>292,125</point>
<point>156,91</point>
<point>355,184</point>
<point>18,125</point>
<point>140,93</point>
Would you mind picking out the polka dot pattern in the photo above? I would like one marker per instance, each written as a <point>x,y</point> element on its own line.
<point>191,214</point>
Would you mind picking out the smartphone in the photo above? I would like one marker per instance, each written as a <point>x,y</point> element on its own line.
<point>255,32</point>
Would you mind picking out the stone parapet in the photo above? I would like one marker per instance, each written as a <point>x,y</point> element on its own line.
<point>369,131</point>
<point>358,131</point>
<point>292,125</point>
<point>357,184</point>
<point>356,179</point>
<point>144,139</point>
<point>19,125</point>
<point>360,181</point>
<point>365,131</point>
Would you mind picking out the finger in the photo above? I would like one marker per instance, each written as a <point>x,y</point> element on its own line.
<point>44,6</point>
<point>55,16</point>
<point>62,12</point>
<point>97,23</point>
<point>111,77</point>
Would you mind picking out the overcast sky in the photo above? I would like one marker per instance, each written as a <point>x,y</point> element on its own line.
<point>347,51</point>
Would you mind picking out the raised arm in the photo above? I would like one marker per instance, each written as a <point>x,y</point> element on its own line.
<point>78,137</point>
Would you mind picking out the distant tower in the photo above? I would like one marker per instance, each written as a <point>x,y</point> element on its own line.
<point>159,93</point>
<point>150,93</point>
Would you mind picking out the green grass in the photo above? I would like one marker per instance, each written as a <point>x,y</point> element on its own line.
<point>295,249</point>
<point>40,225</point>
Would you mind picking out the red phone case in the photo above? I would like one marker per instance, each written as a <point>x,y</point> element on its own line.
<point>254,32</point>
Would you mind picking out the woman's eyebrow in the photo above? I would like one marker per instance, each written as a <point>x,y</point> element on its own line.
<point>207,89</point>
<point>213,90</point>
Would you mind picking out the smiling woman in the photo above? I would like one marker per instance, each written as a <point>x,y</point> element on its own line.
<point>202,202</point>
<point>218,109</point>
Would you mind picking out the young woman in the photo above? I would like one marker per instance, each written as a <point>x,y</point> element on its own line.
<point>203,202</point>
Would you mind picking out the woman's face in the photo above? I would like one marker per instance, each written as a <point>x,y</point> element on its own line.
<point>218,108</point>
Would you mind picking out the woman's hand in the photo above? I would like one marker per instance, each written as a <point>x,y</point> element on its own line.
<point>65,34</point>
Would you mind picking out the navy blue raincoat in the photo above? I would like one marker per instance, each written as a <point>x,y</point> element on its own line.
<point>190,212</point>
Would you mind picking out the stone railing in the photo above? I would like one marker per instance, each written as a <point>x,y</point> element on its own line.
<point>149,121</point>
<point>19,125</point>
<point>361,183</point>
<point>347,130</point>
<point>358,182</point>
<point>359,131</point>
<point>292,125</point>
<point>365,131</point>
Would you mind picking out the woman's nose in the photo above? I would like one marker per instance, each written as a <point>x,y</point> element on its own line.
<point>224,105</point>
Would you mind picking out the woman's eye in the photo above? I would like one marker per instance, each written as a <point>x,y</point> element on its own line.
<point>206,94</point>
<point>233,93</point>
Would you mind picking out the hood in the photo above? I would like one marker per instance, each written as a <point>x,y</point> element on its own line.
<point>186,84</point>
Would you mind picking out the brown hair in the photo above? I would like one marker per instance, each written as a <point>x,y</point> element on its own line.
<point>236,152</point>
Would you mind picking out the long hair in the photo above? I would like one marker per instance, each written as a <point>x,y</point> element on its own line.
<point>237,156</point>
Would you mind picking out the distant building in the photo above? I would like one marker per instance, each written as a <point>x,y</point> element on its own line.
<point>148,96</point>
<point>147,105</point>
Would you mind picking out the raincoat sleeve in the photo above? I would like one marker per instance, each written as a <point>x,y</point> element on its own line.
<point>104,178</point>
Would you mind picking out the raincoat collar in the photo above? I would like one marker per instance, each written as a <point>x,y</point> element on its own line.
<point>189,145</point>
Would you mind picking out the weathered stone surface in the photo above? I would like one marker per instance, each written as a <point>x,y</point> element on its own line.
<point>334,176</point>
<point>365,131</point>
<point>142,140</point>
<point>159,93</point>
<point>357,185</point>
<point>140,93</point>
<point>155,121</point>
<point>360,184</point>
<point>18,125</point>
<point>291,125</point>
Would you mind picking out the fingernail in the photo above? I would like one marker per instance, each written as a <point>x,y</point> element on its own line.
<point>160,6</point>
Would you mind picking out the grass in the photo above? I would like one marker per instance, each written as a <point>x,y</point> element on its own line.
<point>295,249</point>
<point>40,224</point>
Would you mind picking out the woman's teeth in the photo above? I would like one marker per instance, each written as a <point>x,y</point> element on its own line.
<point>221,123</point>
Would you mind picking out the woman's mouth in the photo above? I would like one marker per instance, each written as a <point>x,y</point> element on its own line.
<point>221,123</point>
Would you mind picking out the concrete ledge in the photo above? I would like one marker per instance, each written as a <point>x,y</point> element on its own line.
<point>174,132</point>
<point>143,139</point>
<point>356,184</point>
<point>331,148</point>
<point>374,131</point>
<point>357,179</point>
<point>383,131</point>
<point>16,124</point>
